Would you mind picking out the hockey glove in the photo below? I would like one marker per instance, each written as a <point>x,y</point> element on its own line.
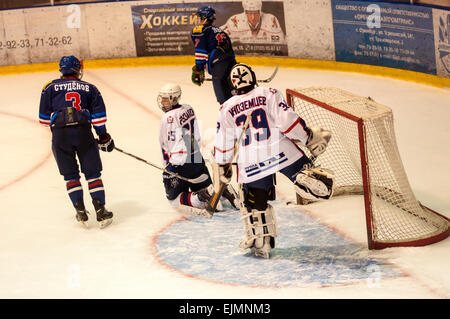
<point>225,173</point>
<point>318,140</point>
<point>105,143</point>
<point>198,77</point>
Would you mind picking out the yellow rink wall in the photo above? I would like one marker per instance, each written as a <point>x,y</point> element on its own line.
<point>257,61</point>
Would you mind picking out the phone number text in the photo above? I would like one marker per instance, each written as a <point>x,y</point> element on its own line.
<point>36,42</point>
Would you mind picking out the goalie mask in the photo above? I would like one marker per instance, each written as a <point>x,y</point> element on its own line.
<point>242,78</point>
<point>168,96</point>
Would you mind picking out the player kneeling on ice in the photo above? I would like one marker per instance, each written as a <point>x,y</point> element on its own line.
<point>180,143</point>
<point>70,107</point>
<point>268,147</point>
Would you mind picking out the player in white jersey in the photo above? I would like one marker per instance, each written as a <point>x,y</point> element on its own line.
<point>269,146</point>
<point>180,144</point>
<point>254,26</point>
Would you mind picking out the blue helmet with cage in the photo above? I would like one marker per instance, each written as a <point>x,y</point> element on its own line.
<point>207,13</point>
<point>70,65</point>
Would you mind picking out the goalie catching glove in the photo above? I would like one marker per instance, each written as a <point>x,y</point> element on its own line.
<point>318,140</point>
<point>105,143</point>
<point>198,77</point>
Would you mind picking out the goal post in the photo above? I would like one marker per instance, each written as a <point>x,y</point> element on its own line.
<point>364,156</point>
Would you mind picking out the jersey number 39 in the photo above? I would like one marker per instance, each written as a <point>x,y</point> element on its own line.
<point>259,122</point>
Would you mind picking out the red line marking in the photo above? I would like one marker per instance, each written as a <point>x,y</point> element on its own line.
<point>354,241</point>
<point>35,167</point>
<point>124,95</point>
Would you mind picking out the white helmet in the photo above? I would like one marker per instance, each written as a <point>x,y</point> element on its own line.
<point>242,78</point>
<point>252,5</point>
<point>171,94</point>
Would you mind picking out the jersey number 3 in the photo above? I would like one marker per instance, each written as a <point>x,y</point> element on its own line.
<point>75,98</point>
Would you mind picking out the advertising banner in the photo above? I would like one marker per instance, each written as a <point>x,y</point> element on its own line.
<point>385,34</point>
<point>442,36</point>
<point>164,29</point>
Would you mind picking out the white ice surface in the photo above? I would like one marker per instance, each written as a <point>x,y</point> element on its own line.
<point>44,253</point>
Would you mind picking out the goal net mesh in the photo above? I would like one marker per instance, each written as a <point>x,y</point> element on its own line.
<point>392,212</point>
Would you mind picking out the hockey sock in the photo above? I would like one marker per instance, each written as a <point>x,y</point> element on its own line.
<point>190,199</point>
<point>96,190</point>
<point>75,191</point>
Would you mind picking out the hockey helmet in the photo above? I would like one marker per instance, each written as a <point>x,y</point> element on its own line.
<point>252,5</point>
<point>242,78</point>
<point>207,13</point>
<point>70,65</point>
<point>168,96</point>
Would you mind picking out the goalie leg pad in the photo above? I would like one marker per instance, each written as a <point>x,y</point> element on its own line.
<point>260,229</point>
<point>315,183</point>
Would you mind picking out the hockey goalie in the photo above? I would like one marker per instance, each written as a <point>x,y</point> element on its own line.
<point>269,146</point>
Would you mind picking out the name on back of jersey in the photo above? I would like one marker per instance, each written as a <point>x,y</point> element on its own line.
<point>71,86</point>
<point>248,104</point>
<point>186,116</point>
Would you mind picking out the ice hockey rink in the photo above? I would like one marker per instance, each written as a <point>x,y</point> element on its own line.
<point>151,251</point>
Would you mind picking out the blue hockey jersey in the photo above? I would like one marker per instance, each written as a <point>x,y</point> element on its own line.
<point>64,93</point>
<point>211,44</point>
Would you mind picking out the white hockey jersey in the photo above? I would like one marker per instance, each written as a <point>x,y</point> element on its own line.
<point>179,136</point>
<point>266,146</point>
<point>270,31</point>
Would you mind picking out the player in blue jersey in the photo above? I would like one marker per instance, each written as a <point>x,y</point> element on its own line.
<point>70,107</point>
<point>213,51</point>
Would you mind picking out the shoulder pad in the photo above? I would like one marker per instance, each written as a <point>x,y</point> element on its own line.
<point>47,84</point>
<point>198,29</point>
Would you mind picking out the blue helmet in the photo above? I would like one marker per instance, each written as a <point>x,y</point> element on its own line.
<point>207,13</point>
<point>70,65</point>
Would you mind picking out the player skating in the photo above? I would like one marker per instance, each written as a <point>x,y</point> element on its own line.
<point>254,26</point>
<point>214,52</point>
<point>268,147</point>
<point>70,107</point>
<point>180,144</point>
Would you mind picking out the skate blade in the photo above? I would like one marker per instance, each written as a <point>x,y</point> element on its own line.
<point>261,253</point>
<point>104,223</point>
<point>84,224</point>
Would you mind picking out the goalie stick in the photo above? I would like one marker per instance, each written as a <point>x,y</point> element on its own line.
<point>197,180</point>
<point>212,204</point>
<point>270,78</point>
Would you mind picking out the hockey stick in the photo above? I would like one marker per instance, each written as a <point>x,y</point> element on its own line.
<point>197,180</point>
<point>270,78</point>
<point>212,204</point>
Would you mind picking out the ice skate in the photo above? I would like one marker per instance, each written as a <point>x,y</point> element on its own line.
<point>81,215</point>
<point>104,217</point>
<point>264,251</point>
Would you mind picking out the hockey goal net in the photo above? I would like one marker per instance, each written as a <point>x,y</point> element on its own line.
<point>364,156</point>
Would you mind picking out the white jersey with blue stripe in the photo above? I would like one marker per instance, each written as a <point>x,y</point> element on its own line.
<point>179,135</point>
<point>266,146</point>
